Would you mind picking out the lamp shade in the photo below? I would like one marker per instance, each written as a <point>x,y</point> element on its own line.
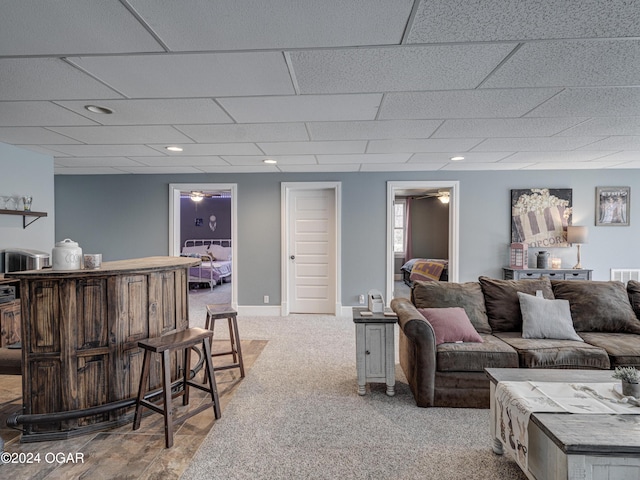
<point>577,234</point>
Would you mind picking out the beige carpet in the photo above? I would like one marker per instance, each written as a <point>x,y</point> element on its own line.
<point>297,415</point>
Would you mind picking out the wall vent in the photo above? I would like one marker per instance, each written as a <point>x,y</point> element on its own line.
<point>625,274</point>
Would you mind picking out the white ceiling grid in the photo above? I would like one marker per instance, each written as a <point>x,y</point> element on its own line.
<point>331,86</point>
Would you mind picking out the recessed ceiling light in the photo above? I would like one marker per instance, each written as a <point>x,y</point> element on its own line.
<point>98,109</point>
<point>455,159</point>
<point>269,161</point>
<point>173,148</point>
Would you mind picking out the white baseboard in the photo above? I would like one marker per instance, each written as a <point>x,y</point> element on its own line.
<point>260,310</point>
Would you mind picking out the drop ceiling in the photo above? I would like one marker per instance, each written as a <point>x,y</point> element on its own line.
<point>322,86</point>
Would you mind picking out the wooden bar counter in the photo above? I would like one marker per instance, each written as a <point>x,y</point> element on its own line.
<point>80,331</point>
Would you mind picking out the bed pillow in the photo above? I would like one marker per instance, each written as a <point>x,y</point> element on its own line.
<point>445,294</point>
<point>451,325</point>
<point>194,251</point>
<point>598,306</point>
<point>542,318</point>
<point>501,299</point>
<point>219,252</point>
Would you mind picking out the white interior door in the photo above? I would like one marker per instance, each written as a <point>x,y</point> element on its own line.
<point>312,251</point>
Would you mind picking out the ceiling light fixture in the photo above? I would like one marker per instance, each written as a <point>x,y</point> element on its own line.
<point>197,196</point>
<point>269,161</point>
<point>173,148</point>
<point>444,197</point>
<point>455,159</point>
<point>98,109</point>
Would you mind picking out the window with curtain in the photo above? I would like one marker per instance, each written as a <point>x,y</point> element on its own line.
<point>399,223</point>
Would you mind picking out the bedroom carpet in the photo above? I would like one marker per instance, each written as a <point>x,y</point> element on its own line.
<point>297,415</point>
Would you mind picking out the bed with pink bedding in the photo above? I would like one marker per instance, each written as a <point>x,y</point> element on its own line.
<point>215,256</point>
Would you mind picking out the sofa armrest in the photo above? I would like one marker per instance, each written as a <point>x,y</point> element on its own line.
<point>417,351</point>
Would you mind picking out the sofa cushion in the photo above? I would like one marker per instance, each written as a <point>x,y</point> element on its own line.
<point>623,348</point>
<point>633,291</point>
<point>450,325</point>
<point>542,318</point>
<point>598,306</point>
<point>444,294</point>
<point>475,357</point>
<point>501,300</point>
<point>538,353</point>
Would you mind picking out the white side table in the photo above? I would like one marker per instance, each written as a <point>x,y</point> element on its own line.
<point>375,350</point>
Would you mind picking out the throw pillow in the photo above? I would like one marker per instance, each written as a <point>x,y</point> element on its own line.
<point>598,306</point>
<point>542,318</point>
<point>633,291</point>
<point>501,299</point>
<point>444,294</point>
<point>450,325</point>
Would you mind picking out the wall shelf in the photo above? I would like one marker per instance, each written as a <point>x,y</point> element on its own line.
<point>24,214</point>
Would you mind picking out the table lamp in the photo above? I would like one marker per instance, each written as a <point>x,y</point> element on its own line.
<point>578,235</point>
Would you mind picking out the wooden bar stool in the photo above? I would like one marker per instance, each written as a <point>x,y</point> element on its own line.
<point>164,345</point>
<point>220,311</point>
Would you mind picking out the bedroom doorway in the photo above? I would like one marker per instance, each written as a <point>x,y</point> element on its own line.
<point>397,192</point>
<point>212,222</point>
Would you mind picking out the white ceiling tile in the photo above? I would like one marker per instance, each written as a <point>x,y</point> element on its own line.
<point>604,126</point>
<point>305,108</point>
<point>102,150</point>
<point>281,159</point>
<point>96,162</point>
<point>535,144</point>
<point>354,167</point>
<point>47,79</point>
<point>159,170</point>
<point>246,132</point>
<point>211,149</point>
<point>196,75</point>
<point>87,171</point>
<point>503,127</point>
<point>487,20</point>
<point>239,169</point>
<point>631,156</point>
<point>399,69</point>
<point>569,166</point>
<point>591,102</point>
<point>38,114</point>
<point>554,157</point>
<point>469,157</point>
<point>635,164</point>
<point>32,135</point>
<point>461,166</point>
<point>71,27</point>
<point>420,145</point>
<point>45,151</point>
<point>576,63</point>
<point>302,148</point>
<point>370,130</point>
<point>404,167</point>
<point>616,143</point>
<point>180,160</point>
<point>254,24</point>
<point>106,135</point>
<point>153,112</point>
<point>499,103</point>
<point>364,158</point>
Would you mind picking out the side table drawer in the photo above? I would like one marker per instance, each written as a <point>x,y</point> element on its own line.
<point>576,276</point>
<point>525,275</point>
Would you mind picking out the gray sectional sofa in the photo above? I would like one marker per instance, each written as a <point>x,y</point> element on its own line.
<point>605,316</point>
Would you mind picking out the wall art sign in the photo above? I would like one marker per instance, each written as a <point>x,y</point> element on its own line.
<point>539,216</point>
<point>612,206</point>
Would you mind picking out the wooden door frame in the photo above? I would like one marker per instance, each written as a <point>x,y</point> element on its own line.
<point>454,227</point>
<point>174,224</point>
<point>285,196</point>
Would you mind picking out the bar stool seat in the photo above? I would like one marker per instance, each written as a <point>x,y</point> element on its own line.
<point>219,312</point>
<point>183,340</point>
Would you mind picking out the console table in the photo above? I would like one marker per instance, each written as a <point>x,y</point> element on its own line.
<point>553,274</point>
<point>375,349</point>
<point>81,362</point>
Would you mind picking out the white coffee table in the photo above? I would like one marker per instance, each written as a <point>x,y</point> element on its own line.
<point>566,446</point>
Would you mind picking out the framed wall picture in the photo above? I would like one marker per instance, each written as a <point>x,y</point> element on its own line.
<point>539,216</point>
<point>612,206</point>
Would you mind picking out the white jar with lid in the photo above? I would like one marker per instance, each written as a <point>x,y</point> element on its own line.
<point>66,255</point>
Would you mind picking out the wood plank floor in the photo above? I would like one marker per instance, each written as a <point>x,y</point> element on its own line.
<point>120,452</point>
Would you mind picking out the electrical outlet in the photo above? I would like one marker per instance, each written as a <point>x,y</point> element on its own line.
<point>361,299</point>
<point>266,299</point>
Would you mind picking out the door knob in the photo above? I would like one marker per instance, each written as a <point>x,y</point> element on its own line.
<point>292,257</point>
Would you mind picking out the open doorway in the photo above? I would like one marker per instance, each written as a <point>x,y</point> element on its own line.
<point>202,222</point>
<point>434,237</point>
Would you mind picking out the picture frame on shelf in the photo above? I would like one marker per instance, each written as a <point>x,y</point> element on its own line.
<point>612,206</point>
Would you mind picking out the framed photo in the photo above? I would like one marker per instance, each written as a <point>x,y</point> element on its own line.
<point>539,216</point>
<point>612,206</point>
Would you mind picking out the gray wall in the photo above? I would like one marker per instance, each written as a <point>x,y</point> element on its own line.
<point>125,216</point>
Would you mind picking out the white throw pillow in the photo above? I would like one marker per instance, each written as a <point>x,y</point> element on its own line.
<point>542,318</point>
